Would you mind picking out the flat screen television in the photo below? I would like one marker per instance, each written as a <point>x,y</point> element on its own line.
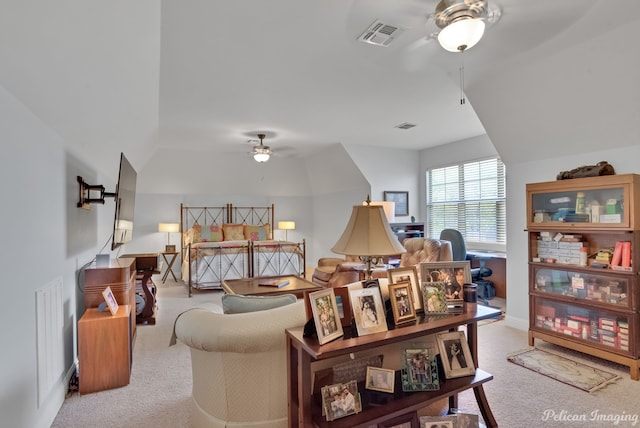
<point>125,197</point>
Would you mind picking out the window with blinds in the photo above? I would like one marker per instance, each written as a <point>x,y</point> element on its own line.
<point>470,197</point>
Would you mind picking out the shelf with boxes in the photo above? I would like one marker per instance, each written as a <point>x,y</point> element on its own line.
<point>583,270</point>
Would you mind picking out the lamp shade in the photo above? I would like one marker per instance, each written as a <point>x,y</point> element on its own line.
<point>287,225</point>
<point>168,227</point>
<point>389,208</point>
<point>368,234</point>
<point>461,35</point>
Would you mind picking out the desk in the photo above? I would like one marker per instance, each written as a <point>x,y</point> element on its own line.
<point>302,352</point>
<point>172,255</point>
<point>251,286</point>
<point>497,262</point>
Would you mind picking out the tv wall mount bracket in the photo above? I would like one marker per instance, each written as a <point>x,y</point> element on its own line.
<point>91,194</point>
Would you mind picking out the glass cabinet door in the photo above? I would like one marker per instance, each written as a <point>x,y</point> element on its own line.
<point>609,329</point>
<point>580,206</point>
<point>600,287</point>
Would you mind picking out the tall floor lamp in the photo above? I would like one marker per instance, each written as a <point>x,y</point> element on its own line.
<point>368,236</point>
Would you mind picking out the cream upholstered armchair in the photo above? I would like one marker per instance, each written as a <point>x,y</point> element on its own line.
<point>421,250</point>
<point>239,365</point>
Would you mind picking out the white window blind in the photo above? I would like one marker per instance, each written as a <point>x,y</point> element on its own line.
<point>470,197</point>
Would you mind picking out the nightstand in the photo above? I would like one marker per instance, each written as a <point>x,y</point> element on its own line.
<point>169,258</point>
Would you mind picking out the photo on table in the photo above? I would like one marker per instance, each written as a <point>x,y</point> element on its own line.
<point>368,310</point>
<point>404,274</point>
<point>455,354</point>
<point>401,300</point>
<point>325,315</point>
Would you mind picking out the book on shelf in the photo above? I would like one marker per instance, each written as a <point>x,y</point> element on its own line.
<point>276,282</point>
<point>617,254</point>
<point>626,254</point>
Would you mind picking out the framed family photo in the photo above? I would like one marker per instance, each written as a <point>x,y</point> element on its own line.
<point>452,274</point>
<point>401,299</point>
<point>455,354</point>
<point>408,420</point>
<point>325,315</point>
<point>368,310</point>
<point>403,274</point>
<point>401,199</point>
<point>112,304</point>
<point>433,298</point>
<point>379,379</point>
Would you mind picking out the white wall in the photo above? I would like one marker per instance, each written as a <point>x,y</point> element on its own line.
<point>46,237</point>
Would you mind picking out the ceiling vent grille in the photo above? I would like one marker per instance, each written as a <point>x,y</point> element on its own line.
<point>405,125</point>
<point>380,34</point>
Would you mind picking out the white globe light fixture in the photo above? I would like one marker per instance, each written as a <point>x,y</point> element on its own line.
<point>461,35</point>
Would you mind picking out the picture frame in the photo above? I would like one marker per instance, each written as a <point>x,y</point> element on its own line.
<point>408,273</point>
<point>420,372</point>
<point>368,310</point>
<point>169,248</point>
<point>455,354</point>
<point>340,400</point>
<point>401,199</point>
<point>401,300</point>
<point>110,299</point>
<point>452,274</point>
<point>445,421</point>
<point>379,379</point>
<point>408,420</point>
<point>325,315</point>
<point>433,298</point>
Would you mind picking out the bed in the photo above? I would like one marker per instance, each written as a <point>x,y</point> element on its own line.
<point>230,242</point>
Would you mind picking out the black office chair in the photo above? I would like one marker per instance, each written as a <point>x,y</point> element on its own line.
<point>459,253</point>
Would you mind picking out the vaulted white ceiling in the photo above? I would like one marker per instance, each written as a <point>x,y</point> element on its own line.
<point>208,75</point>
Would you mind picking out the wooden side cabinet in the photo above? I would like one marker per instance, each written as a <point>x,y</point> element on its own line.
<point>120,275</point>
<point>592,305</point>
<point>104,349</point>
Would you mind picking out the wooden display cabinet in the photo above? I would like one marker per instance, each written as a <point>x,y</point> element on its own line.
<point>303,352</point>
<point>593,307</point>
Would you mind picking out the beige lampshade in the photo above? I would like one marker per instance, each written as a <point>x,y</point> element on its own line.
<point>368,234</point>
<point>287,225</point>
<point>168,227</point>
<point>388,206</point>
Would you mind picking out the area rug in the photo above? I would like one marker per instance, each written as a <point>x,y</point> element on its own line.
<point>564,370</point>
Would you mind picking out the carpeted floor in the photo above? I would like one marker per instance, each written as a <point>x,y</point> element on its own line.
<point>160,388</point>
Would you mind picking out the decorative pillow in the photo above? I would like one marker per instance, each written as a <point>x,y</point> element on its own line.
<point>238,304</point>
<point>211,233</point>
<point>233,232</point>
<point>255,233</point>
<point>193,235</point>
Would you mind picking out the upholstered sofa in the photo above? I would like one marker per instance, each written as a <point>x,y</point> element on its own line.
<point>239,364</point>
<point>335,272</point>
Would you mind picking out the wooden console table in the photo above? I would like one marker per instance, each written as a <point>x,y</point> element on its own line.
<point>305,408</point>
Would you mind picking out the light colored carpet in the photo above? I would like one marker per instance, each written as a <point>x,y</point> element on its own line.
<point>159,393</point>
<point>574,373</point>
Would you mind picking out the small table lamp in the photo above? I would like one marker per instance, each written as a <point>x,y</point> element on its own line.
<point>169,228</point>
<point>286,226</point>
<point>369,236</point>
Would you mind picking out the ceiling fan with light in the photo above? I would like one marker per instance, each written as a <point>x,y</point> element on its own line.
<point>261,153</point>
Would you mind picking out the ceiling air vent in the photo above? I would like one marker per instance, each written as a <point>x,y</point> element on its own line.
<point>405,125</point>
<point>380,34</point>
